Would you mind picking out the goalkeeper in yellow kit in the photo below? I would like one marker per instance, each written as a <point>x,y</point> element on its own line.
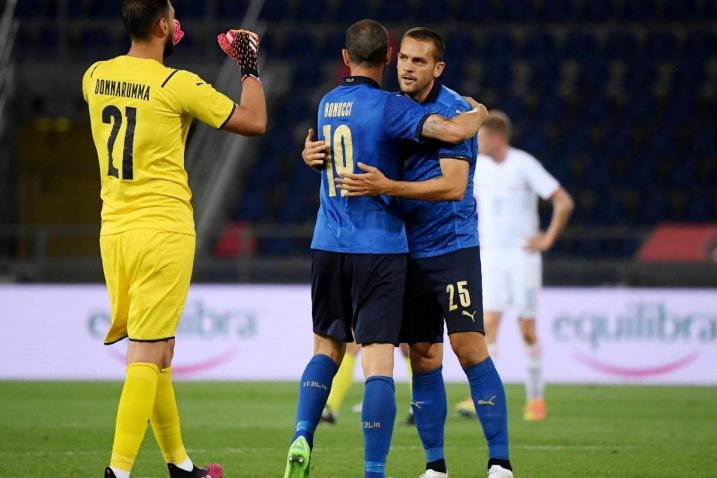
<point>141,111</point>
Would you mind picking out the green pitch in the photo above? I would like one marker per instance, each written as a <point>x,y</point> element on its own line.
<point>65,430</point>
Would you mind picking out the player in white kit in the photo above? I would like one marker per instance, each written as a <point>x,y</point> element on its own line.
<point>508,182</point>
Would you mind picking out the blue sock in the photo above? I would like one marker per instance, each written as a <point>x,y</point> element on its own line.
<point>489,399</point>
<point>378,413</point>
<point>430,409</point>
<point>313,391</point>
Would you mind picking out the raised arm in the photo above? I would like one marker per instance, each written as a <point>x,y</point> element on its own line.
<point>249,116</point>
<point>449,186</point>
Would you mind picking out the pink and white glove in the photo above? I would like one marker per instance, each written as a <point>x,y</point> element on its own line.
<point>178,33</point>
<point>242,46</point>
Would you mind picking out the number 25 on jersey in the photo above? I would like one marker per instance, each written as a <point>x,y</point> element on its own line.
<point>339,154</point>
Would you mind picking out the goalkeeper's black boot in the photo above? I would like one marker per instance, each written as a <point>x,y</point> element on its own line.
<point>109,473</point>
<point>211,471</point>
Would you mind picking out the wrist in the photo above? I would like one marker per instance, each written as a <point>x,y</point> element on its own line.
<point>389,188</point>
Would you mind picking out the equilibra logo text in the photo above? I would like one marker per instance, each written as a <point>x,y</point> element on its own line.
<point>200,321</point>
<point>641,323</point>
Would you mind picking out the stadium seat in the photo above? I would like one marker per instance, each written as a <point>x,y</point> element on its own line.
<point>594,11</point>
<point>498,45</point>
<point>621,45</point>
<point>700,45</point>
<point>497,74</point>
<point>555,11</point>
<point>580,46</point>
<point>431,12</point>
<point>273,10</point>
<point>641,11</point>
<point>474,10</point>
<point>514,10</point>
<point>537,45</point>
<point>232,9</point>
<point>660,45</point>
<point>545,74</point>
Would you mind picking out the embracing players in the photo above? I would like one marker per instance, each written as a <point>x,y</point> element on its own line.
<point>444,272</point>
<point>140,112</point>
<point>359,245</point>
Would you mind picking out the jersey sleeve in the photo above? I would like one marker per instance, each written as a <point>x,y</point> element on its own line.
<point>197,98</point>
<point>540,181</point>
<point>87,79</point>
<point>403,118</point>
<point>463,150</point>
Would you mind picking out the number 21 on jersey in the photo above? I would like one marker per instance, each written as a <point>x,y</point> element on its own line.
<point>339,154</point>
<point>112,115</point>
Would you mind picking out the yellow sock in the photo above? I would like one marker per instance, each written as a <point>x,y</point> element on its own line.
<point>410,372</point>
<point>133,412</point>
<point>165,420</point>
<point>342,382</point>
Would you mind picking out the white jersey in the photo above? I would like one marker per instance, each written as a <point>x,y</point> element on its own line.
<point>507,196</point>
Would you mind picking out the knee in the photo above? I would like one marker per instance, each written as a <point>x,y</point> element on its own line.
<point>470,348</point>
<point>425,357</point>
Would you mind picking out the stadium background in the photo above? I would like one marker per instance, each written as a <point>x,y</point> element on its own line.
<point>617,98</point>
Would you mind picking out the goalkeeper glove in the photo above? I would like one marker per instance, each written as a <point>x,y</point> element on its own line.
<point>242,46</point>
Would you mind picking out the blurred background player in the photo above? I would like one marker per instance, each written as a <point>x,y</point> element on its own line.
<point>508,182</point>
<point>140,112</point>
<point>444,275</point>
<point>359,244</point>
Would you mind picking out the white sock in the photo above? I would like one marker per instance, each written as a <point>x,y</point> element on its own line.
<point>186,465</point>
<point>120,473</point>
<point>534,386</point>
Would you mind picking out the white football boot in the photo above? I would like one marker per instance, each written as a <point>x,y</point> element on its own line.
<point>497,471</point>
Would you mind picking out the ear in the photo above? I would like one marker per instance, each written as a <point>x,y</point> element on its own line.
<point>438,69</point>
<point>162,28</point>
<point>345,56</point>
<point>389,55</point>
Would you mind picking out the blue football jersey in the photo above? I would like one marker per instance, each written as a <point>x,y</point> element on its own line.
<point>436,228</point>
<point>360,122</point>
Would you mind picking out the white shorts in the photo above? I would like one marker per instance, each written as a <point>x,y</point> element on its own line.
<point>512,280</point>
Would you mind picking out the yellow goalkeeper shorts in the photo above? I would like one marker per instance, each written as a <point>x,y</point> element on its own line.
<point>148,272</point>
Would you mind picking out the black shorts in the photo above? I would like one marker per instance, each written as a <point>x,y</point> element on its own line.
<point>443,288</point>
<point>358,296</point>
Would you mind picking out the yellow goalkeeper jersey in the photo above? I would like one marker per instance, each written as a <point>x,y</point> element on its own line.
<point>140,112</point>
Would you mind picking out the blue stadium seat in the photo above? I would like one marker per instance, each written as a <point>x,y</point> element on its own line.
<point>474,10</point>
<point>704,142</point>
<point>552,109</point>
<point>687,75</point>
<point>681,109</point>
<point>515,10</point>
<point>190,9</point>
<point>512,106</point>
<point>641,173</point>
<point>231,10</point>
<point>393,11</point>
<point>660,45</point>
<point>498,45</point>
<point>431,12</point>
<point>639,108</point>
<point>574,141</point>
<point>580,46</point>
<point>654,208</point>
<point>640,76</point>
<point>616,142</point>
<point>701,206</point>
<point>621,45</point>
<point>307,75</point>
<point>709,10</point>
<point>534,140</point>
<point>679,10</point>
<point>594,11</point>
<point>497,74</point>
<point>555,11</point>
<point>700,45</point>
<point>545,74</point>
<point>592,77</point>
<point>349,12</point>
<point>539,44</point>
<point>273,10</point>
<point>311,11</point>
<point>460,46</point>
<point>640,11</point>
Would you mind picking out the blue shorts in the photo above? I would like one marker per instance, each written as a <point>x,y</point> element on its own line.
<point>442,289</point>
<point>358,297</point>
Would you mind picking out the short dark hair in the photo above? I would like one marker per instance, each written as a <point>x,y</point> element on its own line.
<point>140,16</point>
<point>367,42</point>
<point>498,122</point>
<point>426,34</point>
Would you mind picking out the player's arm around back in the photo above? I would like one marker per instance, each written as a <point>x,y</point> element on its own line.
<point>457,129</point>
